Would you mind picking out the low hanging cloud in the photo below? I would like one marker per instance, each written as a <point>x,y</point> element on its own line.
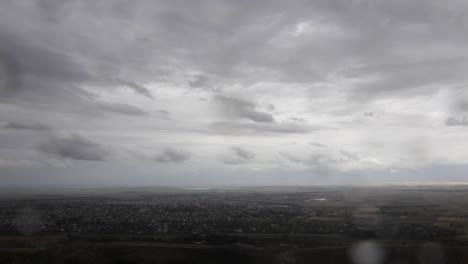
<point>258,128</point>
<point>310,160</point>
<point>171,155</point>
<point>322,158</point>
<point>163,114</point>
<point>73,147</point>
<point>239,108</point>
<point>200,81</point>
<point>238,155</point>
<point>297,119</point>
<point>25,126</point>
<point>123,109</point>
<point>456,121</point>
<point>245,118</point>
<point>23,163</point>
<point>316,144</point>
<point>138,88</point>
<point>346,157</point>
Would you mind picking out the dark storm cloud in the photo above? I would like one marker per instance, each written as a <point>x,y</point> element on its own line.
<point>25,126</point>
<point>73,147</point>
<point>36,72</point>
<point>456,121</point>
<point>53,71</point>
<point>24,59</point>
<point>238,108</point>
<point>39,76</point>
<point>171,155</point>
<point>238,155</point>
<point>122,109</point>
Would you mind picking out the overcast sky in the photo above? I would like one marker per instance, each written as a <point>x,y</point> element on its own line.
<point>245,92</point>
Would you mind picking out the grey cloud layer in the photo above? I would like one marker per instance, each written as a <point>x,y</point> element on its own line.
<point>273,71</point>
<point>246,41</point>
<point>230,35</point>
